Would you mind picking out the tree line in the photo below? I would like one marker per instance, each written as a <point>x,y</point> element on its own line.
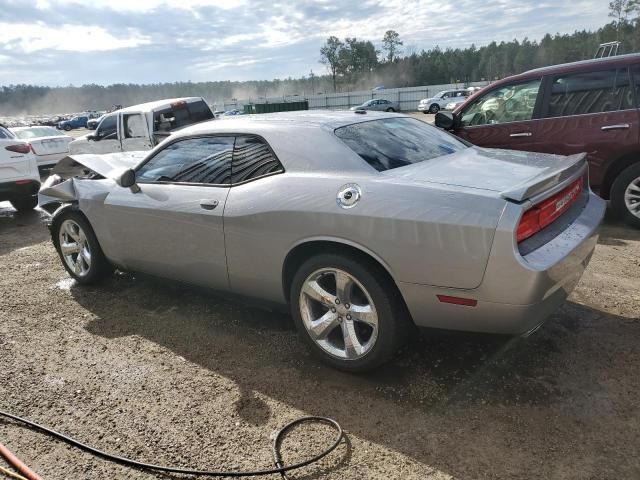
<point>352,64</point>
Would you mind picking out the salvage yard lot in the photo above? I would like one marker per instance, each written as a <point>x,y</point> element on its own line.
<point>173,375</point>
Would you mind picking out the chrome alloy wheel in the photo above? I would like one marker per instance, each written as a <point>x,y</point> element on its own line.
<point>632,197</point>
<point>338,313</point>
<point>74,247</point>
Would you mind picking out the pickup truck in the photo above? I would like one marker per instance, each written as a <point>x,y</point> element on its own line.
<point>141,127</point>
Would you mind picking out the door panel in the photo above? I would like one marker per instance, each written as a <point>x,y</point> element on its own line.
<point>591,134</point>
<point>514,135</point>
<point>173,231</point>
<point>173,226</point>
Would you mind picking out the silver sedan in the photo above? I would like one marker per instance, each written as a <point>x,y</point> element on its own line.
<point>378,104</point>
<point>366,225</point>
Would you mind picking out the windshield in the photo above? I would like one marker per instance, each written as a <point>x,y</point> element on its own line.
<point>396,142</point>
<point>37,132</point>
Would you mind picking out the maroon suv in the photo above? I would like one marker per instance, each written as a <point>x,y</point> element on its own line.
<point>589,106</point>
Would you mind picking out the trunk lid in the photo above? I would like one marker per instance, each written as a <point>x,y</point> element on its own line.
<point>50,145</point>
<point>515,175</point>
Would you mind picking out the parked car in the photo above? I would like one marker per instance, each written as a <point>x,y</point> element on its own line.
<point>231,113</point>
<point>19,177</point>
<point>455,102</point>
<point>589,106</point>
<point>79,121</point>
<point>365,224</point>
<point>141,127</point>
<point>48,144</point>
<point>441,100</point>
<point>379,104</point>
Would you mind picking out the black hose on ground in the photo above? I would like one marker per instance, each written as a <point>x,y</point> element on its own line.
<point>280,467</point>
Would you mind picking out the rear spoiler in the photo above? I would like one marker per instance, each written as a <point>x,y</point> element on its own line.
<point>567,167</point>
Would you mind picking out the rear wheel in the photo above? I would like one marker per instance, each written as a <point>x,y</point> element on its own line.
<point>625,195</point>
<point>78,248</point>
<point>348,312</point>
<point>435,108</point>
<point>24,204</point>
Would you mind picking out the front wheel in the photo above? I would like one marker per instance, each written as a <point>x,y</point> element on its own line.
<point>625,195</point>
<point>390,109</point>
<point>435,108</point>
<point>348,312</point>
<point>78,248</point>
<point>67,127</point>
<point>24,204</point>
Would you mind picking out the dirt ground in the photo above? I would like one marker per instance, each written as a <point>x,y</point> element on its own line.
<point>171,375</point>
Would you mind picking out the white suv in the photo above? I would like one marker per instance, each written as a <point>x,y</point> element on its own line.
<point>19,177</point>
<point>441,100</point>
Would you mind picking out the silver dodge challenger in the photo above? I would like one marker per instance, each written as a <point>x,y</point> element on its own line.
<point>366,224</point>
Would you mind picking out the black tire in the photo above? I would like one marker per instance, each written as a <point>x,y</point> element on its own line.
<point>100,267</point>
<point>390,109</point>
<point>618,189</point>
<point>393,320</point>
<point>67,127</point>
<point>25,204</point>
<point>434,108</point>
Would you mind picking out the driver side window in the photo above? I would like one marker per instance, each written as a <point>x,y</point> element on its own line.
<point>510,103</point>
<point>193,160</point>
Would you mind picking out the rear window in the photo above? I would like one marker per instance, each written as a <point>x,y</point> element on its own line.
<point>181,115</point>
<point>37,132</point>
<point>397,142</point>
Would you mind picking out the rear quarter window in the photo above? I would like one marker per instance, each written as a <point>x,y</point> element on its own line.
<point>391,143</point>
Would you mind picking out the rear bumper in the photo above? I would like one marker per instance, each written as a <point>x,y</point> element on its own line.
<point>518,292</point>
<point>23,188</point>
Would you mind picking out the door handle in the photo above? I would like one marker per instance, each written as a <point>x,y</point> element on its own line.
<point>522,134</point>
<point>208,204</point>
<point>619,126</point>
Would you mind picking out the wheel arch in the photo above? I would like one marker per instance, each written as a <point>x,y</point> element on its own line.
<point>614,169</point>
<point>307,248</point>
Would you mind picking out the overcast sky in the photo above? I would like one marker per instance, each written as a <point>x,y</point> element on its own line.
<point>61,42</point>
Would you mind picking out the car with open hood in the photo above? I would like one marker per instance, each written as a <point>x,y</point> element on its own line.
<point>366,224</point>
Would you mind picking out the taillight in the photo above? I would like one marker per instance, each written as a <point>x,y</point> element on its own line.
<point>529,224</point>
<point>19,148</point>
<point>548,211</point>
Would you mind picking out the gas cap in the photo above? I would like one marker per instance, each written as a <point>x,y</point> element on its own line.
<point>349,195</point>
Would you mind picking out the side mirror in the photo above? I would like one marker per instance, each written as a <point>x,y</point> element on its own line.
<point>445,120</point>
<point>127,178</point>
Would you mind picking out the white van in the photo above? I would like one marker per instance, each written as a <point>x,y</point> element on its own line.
<point>141,127</point>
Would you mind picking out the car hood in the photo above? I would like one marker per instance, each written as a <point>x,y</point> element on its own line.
<point>108,165</point>
<point>515,175</point>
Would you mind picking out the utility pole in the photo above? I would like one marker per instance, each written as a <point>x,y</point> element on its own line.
<point>311,75</point>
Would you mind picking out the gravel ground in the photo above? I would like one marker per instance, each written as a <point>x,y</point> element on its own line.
<point>173,375</point>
